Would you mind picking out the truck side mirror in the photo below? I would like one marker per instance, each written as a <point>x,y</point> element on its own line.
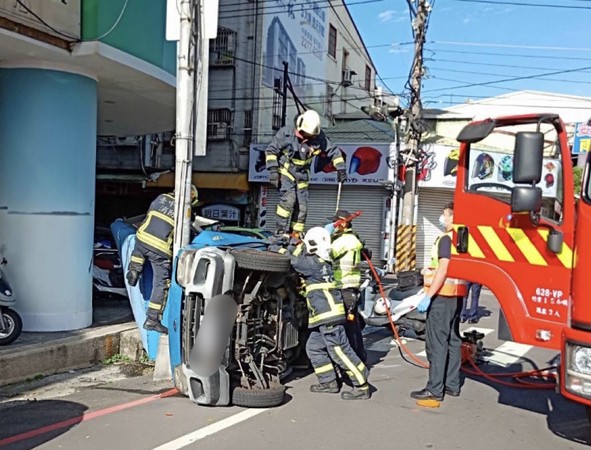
<point>526,199</point>
<point>555,240</point>
<point>528,157</point>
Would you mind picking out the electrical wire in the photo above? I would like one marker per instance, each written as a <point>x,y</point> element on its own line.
<point>538,5</point>
<point>110,30</point>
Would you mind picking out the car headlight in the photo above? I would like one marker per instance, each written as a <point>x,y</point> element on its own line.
<point>578,370</point>
<point>183,268</point>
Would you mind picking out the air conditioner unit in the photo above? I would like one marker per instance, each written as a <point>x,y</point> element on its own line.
<point>218,131</point>
<point>348,77</point>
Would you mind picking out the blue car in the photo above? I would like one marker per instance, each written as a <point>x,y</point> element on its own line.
<point>235,317</point>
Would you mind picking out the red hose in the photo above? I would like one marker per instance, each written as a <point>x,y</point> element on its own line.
<point>494,377</point>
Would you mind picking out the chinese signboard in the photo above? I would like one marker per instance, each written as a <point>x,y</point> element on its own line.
<point>224,213</point>
<point>439,169</point>
<point>582,138</point>
<point>367,164</point>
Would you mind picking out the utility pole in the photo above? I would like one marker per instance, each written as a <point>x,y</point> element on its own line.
<point>184,136</point>
<point>406,233</point>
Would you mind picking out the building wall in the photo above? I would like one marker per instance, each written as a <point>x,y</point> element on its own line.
<point>245,84</point>
<point>140,30</point>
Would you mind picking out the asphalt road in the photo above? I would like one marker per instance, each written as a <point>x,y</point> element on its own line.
<point>109,412</point>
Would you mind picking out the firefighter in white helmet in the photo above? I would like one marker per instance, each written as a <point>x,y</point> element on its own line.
<point>327,343</point>
<point>288,158</point>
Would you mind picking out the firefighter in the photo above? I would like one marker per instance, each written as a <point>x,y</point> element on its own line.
<point>346,250</point>
<point>153,242</point>
<point>327,343</point>
<point>288,158</point>
<point>443,302</point>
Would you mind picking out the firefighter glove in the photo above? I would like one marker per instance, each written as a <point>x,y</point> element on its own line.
<point>274,178</point>
<point>341,175</point>
<point>424,304</point>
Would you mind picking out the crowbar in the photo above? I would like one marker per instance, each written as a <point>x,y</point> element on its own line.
<point>338,197</point>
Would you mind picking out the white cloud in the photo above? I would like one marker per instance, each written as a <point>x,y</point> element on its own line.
<point>387,16</point>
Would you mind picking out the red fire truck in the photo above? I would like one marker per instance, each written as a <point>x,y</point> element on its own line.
<point>522,234</point>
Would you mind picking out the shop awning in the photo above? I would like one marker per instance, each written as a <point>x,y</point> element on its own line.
<point>207,180</point>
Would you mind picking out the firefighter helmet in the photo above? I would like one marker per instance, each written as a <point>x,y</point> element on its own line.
<point>309,123</point>
<point>194,196</point>
<point>317,242</point>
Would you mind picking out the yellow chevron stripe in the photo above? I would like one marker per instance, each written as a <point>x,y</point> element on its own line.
<point>495,243</point>
<point>473,248</point>
<point>565,256</point>
<point>528,249</point>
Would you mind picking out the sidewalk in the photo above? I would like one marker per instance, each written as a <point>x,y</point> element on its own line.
<point>35,355</point>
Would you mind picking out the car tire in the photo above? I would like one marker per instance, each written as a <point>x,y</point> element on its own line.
<point>259,398</point>
<point>15,326</point>
<point>261,260</point>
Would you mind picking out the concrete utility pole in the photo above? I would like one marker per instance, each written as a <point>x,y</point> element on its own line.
<point>184,132</point>
<point>406,235</point>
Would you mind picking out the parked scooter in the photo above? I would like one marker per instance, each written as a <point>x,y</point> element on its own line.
<point>11,323</point>
<point>373,307</point>
<point>107,270</point>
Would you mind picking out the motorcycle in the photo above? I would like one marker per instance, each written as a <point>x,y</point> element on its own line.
<point>11,323</point>
<point>373,307</point>
<point>107,270</point>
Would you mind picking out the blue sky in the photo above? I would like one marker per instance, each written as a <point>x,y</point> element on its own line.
<point>527,42</point>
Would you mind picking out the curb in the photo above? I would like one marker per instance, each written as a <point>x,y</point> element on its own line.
<point>71,353</point>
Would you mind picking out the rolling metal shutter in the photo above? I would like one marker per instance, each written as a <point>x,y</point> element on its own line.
<point>368,199</point>
<point>430,205</point>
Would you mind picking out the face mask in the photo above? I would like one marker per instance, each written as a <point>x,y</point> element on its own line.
<point>442,220</point>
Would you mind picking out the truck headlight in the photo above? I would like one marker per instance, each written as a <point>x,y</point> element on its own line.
<point>578,369</point>
<point>183,268</point>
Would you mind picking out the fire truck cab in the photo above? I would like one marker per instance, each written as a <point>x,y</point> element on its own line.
<point>519,232</point>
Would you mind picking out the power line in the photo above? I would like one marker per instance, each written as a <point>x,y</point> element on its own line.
<point>537,5</point>
<point>520,46</point>
<point>509,55</point>
<point>469,72</point>
<point>473,63</point>
<point>236,16</point>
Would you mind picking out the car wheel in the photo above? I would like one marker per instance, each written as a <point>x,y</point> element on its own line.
<point>261,260</point>
<point>259,398</point>
<point>13,328</point>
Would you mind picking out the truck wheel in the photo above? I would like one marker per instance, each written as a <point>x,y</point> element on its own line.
<point>259,398</point>
<point>261,260</point>
<point>14,326</point>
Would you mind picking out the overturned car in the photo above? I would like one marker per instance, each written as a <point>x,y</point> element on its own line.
<point>236,321</point>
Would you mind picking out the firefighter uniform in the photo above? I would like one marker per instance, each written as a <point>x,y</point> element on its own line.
<point>153,242</point>
<point>346,254</point>
<point>292,159</point>
<point>443,341</point>
<point>327,343</point>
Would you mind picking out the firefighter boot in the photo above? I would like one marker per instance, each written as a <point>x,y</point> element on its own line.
<point>325,388</point>
<point>358,393</point>
<point>132,277</point>
<point>154,325</point>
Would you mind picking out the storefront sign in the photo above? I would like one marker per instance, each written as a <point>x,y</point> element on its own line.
<point>367,164</point>
<point>439,169</point>
<point>582,138</point>
<point>225,213</point>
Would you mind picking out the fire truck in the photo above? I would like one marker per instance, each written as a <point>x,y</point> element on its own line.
<point>527,239</point>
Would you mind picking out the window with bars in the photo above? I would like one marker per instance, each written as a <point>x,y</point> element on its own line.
<point>222,49</point>
<point>368,78</point>
<point>219,123</point>
<point>332,41</point>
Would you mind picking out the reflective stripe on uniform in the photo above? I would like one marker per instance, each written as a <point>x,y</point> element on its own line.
<point>338,160</point>
<point>452,287</point>
<point>282,212</point>
<point>154,242</point>
<point>270,158</point>
<point>283,171</point>
<point>338,311</point>
<point>298,226</point>
<point>303,184</point>
<point>155,306</point>
<point>318,286</point>
<point>323,369</point>
<point>358,375</point>
<point>137,259</point>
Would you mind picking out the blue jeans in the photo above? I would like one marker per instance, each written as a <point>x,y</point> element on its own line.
<point>472,311</point>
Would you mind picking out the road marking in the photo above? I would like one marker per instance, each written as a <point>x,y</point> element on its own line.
<point>508,353</point>
<point>201,433</point>
<point>84,417</point>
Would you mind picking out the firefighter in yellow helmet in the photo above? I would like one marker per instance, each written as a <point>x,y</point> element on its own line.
<point>288,158</point>
<point>153,242</point>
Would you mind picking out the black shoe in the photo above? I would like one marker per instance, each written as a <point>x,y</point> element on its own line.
<point>462,319</point>
<point>153,325</point>
<point>452,393</point>
<point>358,393</point>
<point>473,320</point>
<point>132,277</point>
<point>425,394</point>
<point>325,388</point>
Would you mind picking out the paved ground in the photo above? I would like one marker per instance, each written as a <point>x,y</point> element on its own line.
<point>99,415</point>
